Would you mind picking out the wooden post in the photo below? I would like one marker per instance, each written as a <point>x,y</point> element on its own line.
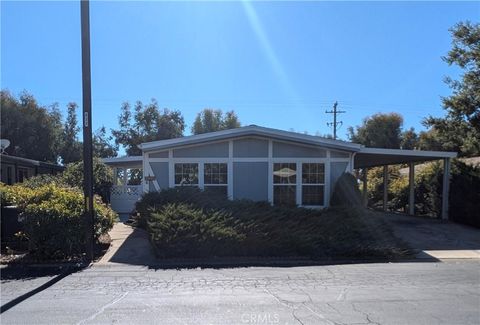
<point>364,193</point>
<point>385,187</point>
<point>411,188</point>
<point>445,188</point>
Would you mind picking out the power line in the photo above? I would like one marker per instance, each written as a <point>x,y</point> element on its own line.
<point>335,123</point>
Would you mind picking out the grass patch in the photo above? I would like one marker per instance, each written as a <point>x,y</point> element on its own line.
<point>189,223</point>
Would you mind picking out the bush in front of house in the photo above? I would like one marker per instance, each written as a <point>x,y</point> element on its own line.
<point>102,177</point>
<point>464,196</point>
<point>188,222</point>
<point>346,192</point>
<point>54,224</point>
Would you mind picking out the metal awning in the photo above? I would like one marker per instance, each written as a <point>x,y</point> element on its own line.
<point>371,157</point>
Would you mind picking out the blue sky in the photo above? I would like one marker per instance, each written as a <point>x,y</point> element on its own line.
<point>277,64</point>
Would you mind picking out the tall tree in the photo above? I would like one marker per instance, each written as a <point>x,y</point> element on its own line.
<point>71,150</point>
<point>103,145</point>
<point>147,123</point>
<point>210,120</point>
<point>460,129</point>
<point>34,131</point>
<point>379,130</point>
<point>409,139</point>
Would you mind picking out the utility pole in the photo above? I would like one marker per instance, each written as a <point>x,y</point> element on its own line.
<point>335,123</point>
<point>87,128</point>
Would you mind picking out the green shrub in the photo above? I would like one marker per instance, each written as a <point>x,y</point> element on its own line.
<point>55,225</point>
<point>346,192</point>
<point>44,179</point>
<point>187,222</point>
<point>102,177</point>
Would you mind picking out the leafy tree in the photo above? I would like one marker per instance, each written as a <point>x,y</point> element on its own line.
<point>409,139</point>
<point>147,123</point>
<point>210,120</point>
<point>34,131</point>
<point>102,144</point>
<point>460,129</point>
<point>102,177</point>
<point>379,130</point>
<point>71,150</point>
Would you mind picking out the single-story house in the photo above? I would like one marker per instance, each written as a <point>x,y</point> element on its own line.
<point>16,169</point>
<point>255,163</point>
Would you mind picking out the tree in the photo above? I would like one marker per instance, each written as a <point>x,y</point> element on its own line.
<point>34,131</point>
<point>71,148</point>
<point>102,177</point>
<point>102,145</point>
<point>147,123</point>
<point>379,130</point>
<point>210,120</point>
<point>409,139</point>
<point>460,129</point>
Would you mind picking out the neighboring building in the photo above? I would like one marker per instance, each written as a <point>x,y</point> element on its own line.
<point>251,162</point>
<point>17,169</point>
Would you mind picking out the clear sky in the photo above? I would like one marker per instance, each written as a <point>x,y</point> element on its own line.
<point>277,64</point>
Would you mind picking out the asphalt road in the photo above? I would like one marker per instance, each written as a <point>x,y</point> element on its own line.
<point>399,293</point>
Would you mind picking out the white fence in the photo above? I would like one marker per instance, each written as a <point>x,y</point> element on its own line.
<point>123,198</point>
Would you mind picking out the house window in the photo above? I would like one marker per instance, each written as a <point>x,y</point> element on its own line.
<point>186,174</point>
<point>313,184</point>
<point>284,183</point>
<point>215,177</point>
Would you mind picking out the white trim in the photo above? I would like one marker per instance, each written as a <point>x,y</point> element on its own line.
<point>148,169</point>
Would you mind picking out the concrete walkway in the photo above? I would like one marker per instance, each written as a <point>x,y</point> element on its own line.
<point>129,246</point>
<point>433,238</point>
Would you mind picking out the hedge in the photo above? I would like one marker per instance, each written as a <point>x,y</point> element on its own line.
<point>54,223</point>
<point>187,222</point>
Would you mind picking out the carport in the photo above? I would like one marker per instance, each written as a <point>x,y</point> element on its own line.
<point>375,157</point>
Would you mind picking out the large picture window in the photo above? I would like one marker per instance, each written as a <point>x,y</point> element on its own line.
<point>186,174</point>
<point>215,177</point>
<point>284,183</point>
<point>313,184</point>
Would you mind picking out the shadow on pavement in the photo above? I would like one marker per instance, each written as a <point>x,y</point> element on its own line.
<point>26,273</point>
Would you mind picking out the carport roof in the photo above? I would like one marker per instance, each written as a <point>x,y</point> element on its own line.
<point>371,157</point>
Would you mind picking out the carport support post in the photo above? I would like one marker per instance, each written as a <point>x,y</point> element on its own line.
<point>411,189</point>
<point>385,187</point>
<point>445,187</point>
<point>364,192</point>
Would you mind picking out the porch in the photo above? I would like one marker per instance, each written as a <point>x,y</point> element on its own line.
<point>128,183</point>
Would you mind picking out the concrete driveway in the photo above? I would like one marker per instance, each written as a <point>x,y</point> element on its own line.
<point>435,238</point>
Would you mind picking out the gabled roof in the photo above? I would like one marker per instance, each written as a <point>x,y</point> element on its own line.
<point>251,130</point>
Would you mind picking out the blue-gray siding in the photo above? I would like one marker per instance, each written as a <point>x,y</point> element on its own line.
<point>250,180</point>
<point>161,154</point>
<point>213,150</point>
<point>339,154</point>
<point>250,147</point>
<point>286,150</point>
<point>160,170</point>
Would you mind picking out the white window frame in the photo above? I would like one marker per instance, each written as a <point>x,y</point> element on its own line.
<point>285,184</point>
<point>199,178</point>
<point>301,184</point>
<point>204,184</point>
